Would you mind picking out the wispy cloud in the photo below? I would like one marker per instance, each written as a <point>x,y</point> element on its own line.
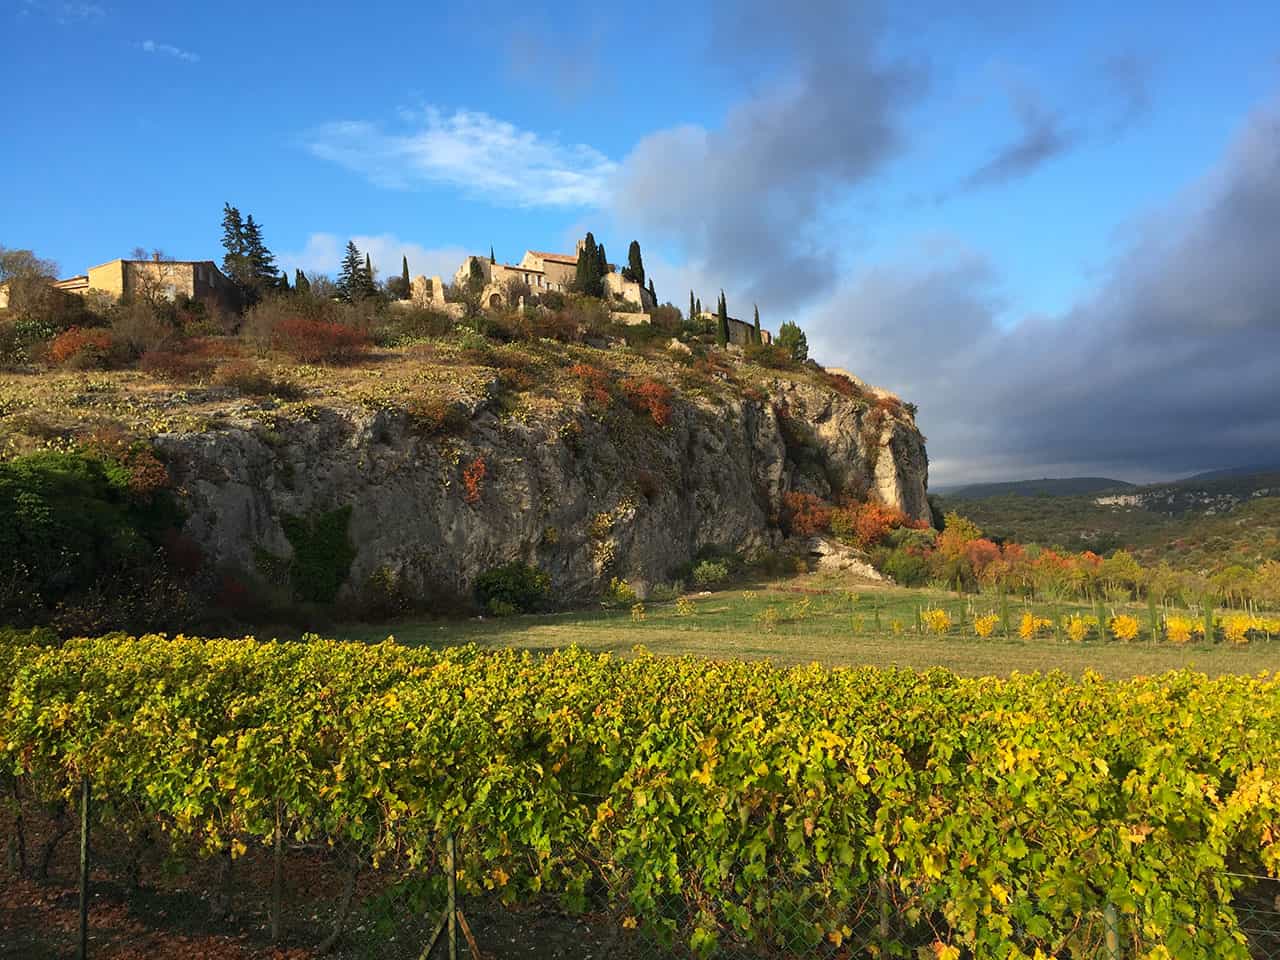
<point>169,50</point>
<point>1040,138</point>
<point>473,151</point>
<point>63,11</point>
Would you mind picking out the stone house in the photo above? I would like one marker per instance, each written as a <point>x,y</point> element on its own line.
<point>164,279</point>
<point>545,272</point>
<point>740,331</point>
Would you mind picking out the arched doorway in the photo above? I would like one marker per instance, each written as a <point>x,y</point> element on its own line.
<point>495,300</point>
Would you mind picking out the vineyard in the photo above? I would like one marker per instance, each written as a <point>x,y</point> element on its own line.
<point>706,806</point>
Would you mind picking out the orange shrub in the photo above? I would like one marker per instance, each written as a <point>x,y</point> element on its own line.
<point>595,383</point>
<point>804,514</point>
<point>81,348</point>
<point>866,524</point>
<point>649,396</point>
<point>190,360</point>
<point>472,477</point>
<point>318,341</point>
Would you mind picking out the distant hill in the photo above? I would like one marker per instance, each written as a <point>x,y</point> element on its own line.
<point>1252,471</point>
<point>1047,487</point>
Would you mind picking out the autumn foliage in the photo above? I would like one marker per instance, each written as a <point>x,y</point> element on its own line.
<point>867,524</point>
<point>804,514</point>
<point>594,382</point>
<point>318,341</point>
<point>472,478</point>
<point>649,396</point>
<point>81,347</point>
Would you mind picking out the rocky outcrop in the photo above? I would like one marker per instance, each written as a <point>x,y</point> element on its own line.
<point>584,498</point>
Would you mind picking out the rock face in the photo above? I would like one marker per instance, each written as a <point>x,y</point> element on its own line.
<point>581,497</point>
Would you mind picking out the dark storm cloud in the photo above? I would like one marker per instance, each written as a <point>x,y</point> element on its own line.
<point>751,192</point>
<point>1040,138</point>
<point>1173,366</point>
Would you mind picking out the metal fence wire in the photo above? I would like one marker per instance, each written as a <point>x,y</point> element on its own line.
<point>89,881</point>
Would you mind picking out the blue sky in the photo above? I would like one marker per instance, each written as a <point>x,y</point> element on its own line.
<point>841,166</point>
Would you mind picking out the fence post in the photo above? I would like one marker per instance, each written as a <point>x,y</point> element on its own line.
<point>277,879</point>
<point>452,866</point>
<point>83,950</point>
<point>1111,944</point>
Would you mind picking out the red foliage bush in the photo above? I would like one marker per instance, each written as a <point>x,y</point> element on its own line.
<point>866,524</point>
<point>184,361</point>
<point>319,341</point>
<point>804,514</point>
<point>147,475</point>
<point>81,348</point>
<point>981,553</point>
<point>595,383</point>
<point>649,396</point>
<point>472,477</point>
<point>841,384</point>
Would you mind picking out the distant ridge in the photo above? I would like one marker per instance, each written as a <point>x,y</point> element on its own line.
<point>1250,471</point>
<point>1046,487</point>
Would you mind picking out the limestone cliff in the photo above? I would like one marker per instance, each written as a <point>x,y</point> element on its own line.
<point>583,496</point>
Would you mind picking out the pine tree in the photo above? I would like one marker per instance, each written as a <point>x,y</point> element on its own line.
<point>283,282</point>
<point>634,270</point>
<point>722,316</point>
<point>300,282</point>
<point>756,338</point>
<point>404,275</point>
<point>261,262</point>
<point>792,339</point>
<point>235,262</point>
<point>351,275</point>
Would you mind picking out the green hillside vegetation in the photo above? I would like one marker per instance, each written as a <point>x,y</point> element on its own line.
<point>1048,487</point>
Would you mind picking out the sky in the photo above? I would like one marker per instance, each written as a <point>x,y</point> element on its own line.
<point>1056,231</point>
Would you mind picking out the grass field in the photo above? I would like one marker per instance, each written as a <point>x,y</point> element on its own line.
<point>832,628</point>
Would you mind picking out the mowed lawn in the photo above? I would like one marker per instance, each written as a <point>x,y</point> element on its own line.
<point>826,619</point>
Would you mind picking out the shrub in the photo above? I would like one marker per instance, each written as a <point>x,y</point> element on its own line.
<point>594,383</point>
<point>406,324</point>
<point>906,567</point>
<point>137,326</point>
<point>82,349</point>
<point>437,415</point>
<point>319,341</point>
<point>770,355</point>
<point>684,607</point>
<point>638,612</point>
<point>192,360</point>
<point>867,524</point>
<point>472,478</point>
<point>936,621</point>
<point>804,514</point>
<point>1178,629</point>
<point>710,572</point>
<point>1124,627</point>
<point>985,625</point>
<point>322,553</point>
<point>521,587</point>
<point>618,594</point>
<point>251,380</point>
<point>666,319</point>
<point>645,395</point>
<point>768,619</point>
<point>1030,625</point>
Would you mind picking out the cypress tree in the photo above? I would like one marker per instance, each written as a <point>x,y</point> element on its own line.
<point>602,268</point>
<point>404,275</point>
<point>756,335</point>
<point>583,273</point>
<point>300,282</point>
<point>235,263</point>
<point>722,316</point>
<point>652,295</point>
<point>283,282</point>
<point>351,275</point>
<point>370,288</point>
<point>492,258</point>
<point>691,313</point>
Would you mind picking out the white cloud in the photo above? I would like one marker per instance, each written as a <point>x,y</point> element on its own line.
<point>323,253</point>
<point>472,151</point>
<point>168,50</point>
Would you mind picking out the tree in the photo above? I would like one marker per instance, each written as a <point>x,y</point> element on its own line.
<point>475,277</point>
<point>634,270</point>
<point>722,320</point>
<point>698,312</point>
<point>492,259</point>
<point>261,262</point>
<point>235,262</point>
<point>588,277</point>
<point>792,339</point>
<point>404,275</point>
<point>653,296</point>
<point>692,314</point>
<point>351,275</point>
<point>756,337</point>
<point>15,264</point>
<point>300,282</point>
<point>283,282</point>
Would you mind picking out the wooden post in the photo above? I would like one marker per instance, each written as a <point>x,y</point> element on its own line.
<point>1111,945</point>
<point>83,950</point>
<point>452,866</point>
<point>277,879</point>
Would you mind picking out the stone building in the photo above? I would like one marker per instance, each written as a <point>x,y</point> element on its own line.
<point>740,331</point>
<point>545,272</point>
<point>163,279</point>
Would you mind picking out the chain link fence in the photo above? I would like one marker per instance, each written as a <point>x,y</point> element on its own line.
<point>86,880</point>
